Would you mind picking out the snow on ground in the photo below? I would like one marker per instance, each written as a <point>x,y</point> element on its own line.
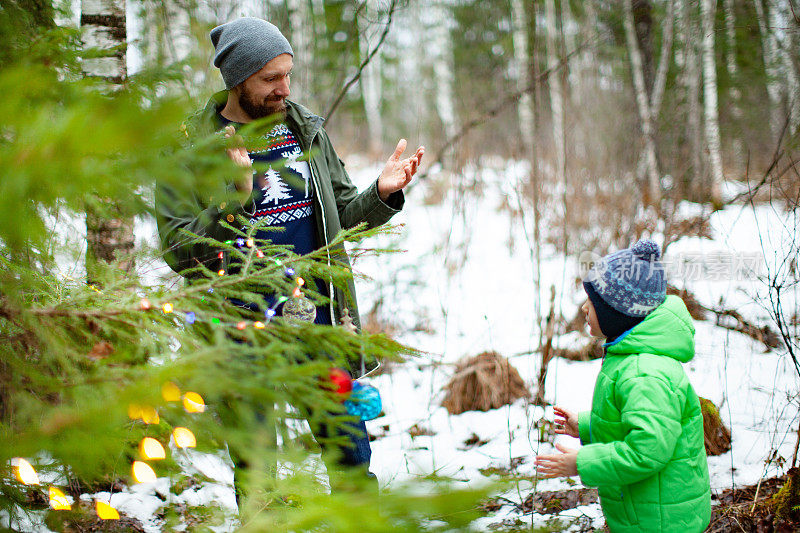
<point>488,304</point>
<point>464,284</point>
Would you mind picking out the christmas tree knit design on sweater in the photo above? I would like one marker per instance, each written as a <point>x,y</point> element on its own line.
<point>275,189</point>
<point>282,199</point>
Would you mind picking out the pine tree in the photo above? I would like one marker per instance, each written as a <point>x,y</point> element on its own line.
<point>275,188</point>
<point>87,373</point>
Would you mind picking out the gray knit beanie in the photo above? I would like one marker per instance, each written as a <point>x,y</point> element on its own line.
<point>243,46</point>
<point>632,280</point>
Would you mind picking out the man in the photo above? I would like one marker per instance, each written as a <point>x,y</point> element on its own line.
<point>305,190</point>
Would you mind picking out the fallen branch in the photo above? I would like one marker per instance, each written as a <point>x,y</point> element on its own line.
<point>764,334</point>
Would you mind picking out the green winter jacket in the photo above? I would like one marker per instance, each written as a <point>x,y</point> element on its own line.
<point>643,439</point>
<point>339,205</point>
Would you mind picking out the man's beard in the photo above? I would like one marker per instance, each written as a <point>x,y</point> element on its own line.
<point>266,108</point>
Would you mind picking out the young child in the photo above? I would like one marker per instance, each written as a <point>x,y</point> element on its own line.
<point>643,439</point>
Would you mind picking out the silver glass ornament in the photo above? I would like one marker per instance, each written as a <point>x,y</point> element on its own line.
<point>300,308</point>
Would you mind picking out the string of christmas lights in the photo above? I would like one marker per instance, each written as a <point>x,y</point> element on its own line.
<point>150,449</point>
<point>359,399</point>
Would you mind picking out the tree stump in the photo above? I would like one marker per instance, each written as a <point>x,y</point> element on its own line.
<point>717,437</point>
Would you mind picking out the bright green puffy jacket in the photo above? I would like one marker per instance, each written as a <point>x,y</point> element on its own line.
<point>643,439</point>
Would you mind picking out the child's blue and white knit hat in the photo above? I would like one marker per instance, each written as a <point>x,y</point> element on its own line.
<point>632,280</point>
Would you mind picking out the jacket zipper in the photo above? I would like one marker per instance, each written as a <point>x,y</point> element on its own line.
<point>324,229</point>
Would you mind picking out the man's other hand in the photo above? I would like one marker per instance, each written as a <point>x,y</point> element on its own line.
<point>239,155</point>
<point>398,172</point>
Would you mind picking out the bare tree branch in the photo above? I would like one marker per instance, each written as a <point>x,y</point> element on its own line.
<point>364,63</point>
<point>510,99</point>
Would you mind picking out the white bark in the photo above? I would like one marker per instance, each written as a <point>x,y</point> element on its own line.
<point>643,106</point>
<point>440,52</point>
<point>733,72</point>
<point>574,70</point>
<point>556,94</point>
<point>370,80</point>
<point>521,67</point>
<point>589,57</point>
<point>660,81</point>
<point>708,9</point>
<point>690,79</point>
<point>301,46</point>
<point>103,26</point>
<point>781,15</point>
<point>770,47</point>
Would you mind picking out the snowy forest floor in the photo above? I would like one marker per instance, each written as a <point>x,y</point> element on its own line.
<point>464,284</point>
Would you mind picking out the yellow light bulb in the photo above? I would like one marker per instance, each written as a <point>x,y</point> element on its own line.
<point>143,473</point>
<point>58,500</point>
<point>221,272</point>
<point>184,438</point>
<point>149,415</point>
<point>250,242</point>
<point>24,472</point>
<point>171,392</point>
<point>134,411</point>
<point>301,282</point>
<point>193,403</point>
<point>151,449</point>
<point>105,511</point>
<point>167,307</point>
<point>258,325</point>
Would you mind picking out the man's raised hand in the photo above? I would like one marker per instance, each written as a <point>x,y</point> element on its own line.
<point>398,172</point>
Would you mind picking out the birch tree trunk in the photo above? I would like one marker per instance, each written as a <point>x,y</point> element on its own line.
<point>556,92</point>
<point>440,52</point>
<point>690,79</point>
<point>652,189</point>
<point>301,45</point>
<point>708,8</point>
<point>521,68</point>
<point>527,126</point>
<point>781,15</point>
<point>103,26</point>
<point>656,92</point>
<point>735,94</point>
<point>370,80</point>
<point>770,47</point>
<point>559,147</point>
<point>643,25</point>
<point>664,60</point>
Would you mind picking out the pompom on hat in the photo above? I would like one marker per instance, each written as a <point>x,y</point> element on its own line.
<point>631,281</point>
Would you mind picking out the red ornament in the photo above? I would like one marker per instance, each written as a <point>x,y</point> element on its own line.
<point>341,381</point>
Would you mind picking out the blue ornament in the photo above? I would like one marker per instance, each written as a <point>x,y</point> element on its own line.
<point>364,402</point>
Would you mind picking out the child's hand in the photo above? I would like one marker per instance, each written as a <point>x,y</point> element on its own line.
<point>566,422</point>
<point>560,465</point>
